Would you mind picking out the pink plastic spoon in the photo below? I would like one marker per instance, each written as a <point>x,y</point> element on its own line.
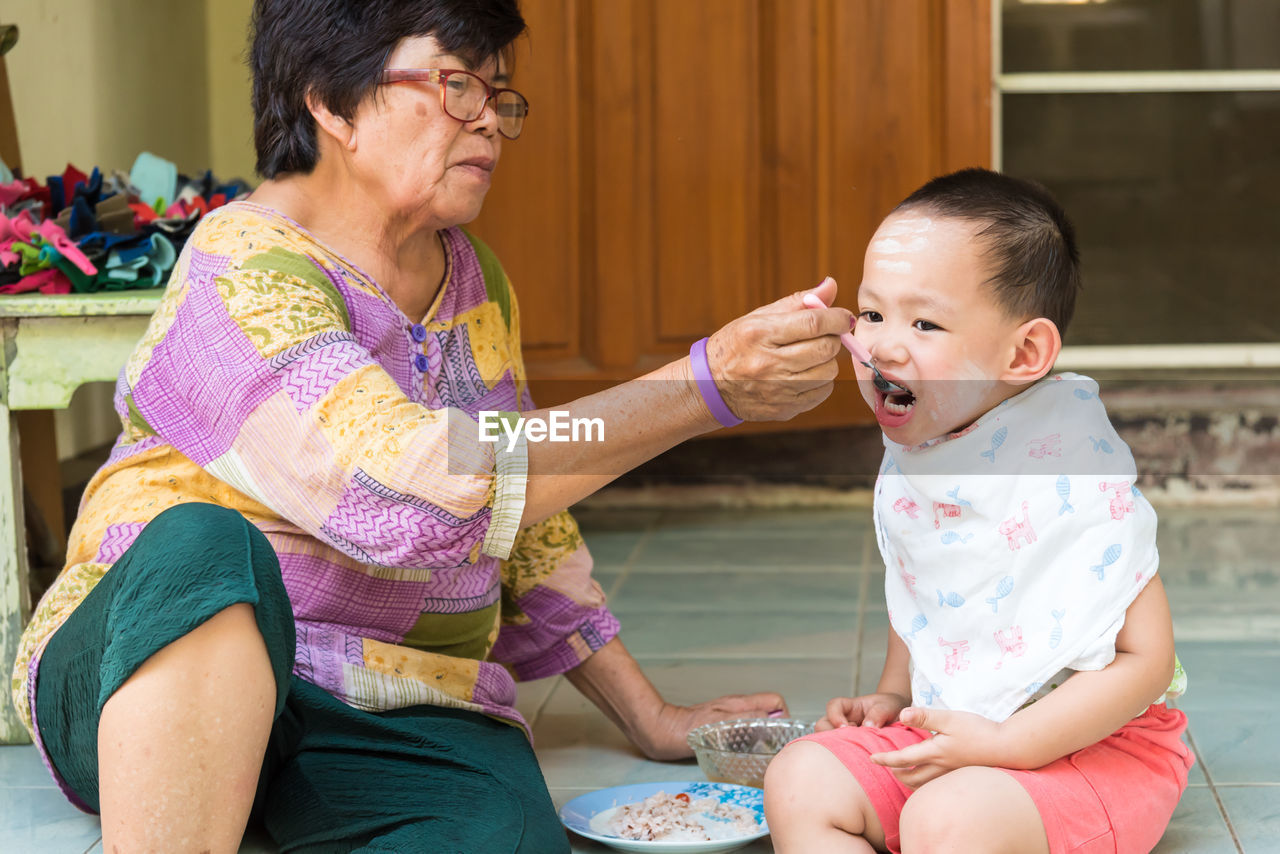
<point>854,346</point>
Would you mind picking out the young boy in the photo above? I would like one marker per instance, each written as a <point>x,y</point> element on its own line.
<point>1030,650</point>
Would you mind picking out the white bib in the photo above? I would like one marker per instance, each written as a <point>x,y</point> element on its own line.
<point>1013,548</point>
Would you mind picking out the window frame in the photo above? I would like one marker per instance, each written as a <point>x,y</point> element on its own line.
<point>1264,356</point>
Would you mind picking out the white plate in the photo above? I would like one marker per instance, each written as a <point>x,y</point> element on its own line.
<point>577,814</point>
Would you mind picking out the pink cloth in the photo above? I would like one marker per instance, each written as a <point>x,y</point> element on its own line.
<point>1086,800</point>
<point>52,281</point>
<point>56,237</point>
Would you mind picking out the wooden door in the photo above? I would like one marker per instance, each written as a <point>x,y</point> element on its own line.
<point>688,160</point>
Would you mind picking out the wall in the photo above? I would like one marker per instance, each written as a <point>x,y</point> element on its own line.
<point>230,115</point>
<point>95,82</point>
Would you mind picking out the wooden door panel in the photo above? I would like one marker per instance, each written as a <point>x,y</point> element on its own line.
<point>688,160</point>
<point>885,120</point>
<point>796,147</point>
<point>618,236</point>
<point>532,210</point>
<point>969,86</point>
<point>705,137</point>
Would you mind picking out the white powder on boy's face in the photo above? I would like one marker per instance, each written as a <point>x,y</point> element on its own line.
<point>893,246</point>
<point>898,237</point>
<point>953,407</point>
<point>907,225</point>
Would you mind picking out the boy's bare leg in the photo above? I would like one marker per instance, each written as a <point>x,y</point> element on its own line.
<point>976,810</point>
<point>814,804</point>
<point>181,743</point>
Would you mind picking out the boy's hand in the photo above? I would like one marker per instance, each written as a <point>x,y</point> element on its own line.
<point>867,710</point>
<point>960,739</point>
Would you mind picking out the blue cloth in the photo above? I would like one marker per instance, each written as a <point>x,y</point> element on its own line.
<point>155,178</point>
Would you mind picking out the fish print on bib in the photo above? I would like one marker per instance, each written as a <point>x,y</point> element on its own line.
<point>1031,572</point>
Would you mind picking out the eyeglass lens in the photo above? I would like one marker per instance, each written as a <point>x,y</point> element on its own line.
<point>464,99</point>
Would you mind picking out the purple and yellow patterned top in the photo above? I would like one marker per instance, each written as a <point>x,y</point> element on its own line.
<point>279,380</point>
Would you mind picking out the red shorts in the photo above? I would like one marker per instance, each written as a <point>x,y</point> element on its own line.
<point>1113,797</point>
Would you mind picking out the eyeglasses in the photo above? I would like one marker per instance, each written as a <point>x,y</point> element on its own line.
<point>465,95</point>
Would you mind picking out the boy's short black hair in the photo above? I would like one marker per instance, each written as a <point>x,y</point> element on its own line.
<point>1030,243</point>
<point>336,49</point>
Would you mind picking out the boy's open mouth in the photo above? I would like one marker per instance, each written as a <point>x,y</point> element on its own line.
<point>894,409</point>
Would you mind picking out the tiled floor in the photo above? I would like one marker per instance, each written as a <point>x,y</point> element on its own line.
<point>730,601</point>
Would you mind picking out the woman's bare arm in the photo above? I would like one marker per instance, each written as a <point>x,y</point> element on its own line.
<point>769,365</point>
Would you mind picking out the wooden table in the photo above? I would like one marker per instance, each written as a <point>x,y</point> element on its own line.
<point>52,345</point>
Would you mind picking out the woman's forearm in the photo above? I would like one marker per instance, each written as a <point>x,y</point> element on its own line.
<point>769,365</point>
<point>613,681</point>
<point>637,421</point>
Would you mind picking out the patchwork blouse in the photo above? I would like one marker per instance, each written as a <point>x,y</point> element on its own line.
<point>279,380</point>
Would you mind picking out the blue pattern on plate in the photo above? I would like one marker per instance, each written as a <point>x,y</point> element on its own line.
<point>747,797</point>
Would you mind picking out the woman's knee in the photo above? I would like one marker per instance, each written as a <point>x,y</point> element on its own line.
<point>218,521</point>
<point>228,643</point>
<point>207,547</point>
<point>197,544</point>
<point>189,563</point>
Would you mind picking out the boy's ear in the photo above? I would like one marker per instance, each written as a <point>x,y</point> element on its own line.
<point>331,124</point>
<point>1036,345</point>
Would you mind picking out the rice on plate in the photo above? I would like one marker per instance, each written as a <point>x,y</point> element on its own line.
<point>716,818</point>
<point>676,818</point>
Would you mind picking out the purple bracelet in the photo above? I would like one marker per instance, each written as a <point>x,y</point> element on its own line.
<point>707,385</point>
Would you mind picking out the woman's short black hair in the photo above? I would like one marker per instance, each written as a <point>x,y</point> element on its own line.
<point>1030,243</point>
<point>336,49</point>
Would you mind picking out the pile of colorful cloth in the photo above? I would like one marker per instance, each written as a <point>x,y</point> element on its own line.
<point>81,233</point>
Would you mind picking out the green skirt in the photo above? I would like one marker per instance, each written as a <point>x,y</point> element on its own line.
<point>334,778</point>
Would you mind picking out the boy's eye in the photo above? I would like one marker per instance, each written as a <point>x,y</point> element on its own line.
<point>926,326</point>
<point>870,316</point>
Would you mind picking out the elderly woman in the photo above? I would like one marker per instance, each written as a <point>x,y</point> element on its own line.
<point>302,584</point>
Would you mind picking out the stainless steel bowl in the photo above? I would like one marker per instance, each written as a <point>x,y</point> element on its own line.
<point>739,751</point>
